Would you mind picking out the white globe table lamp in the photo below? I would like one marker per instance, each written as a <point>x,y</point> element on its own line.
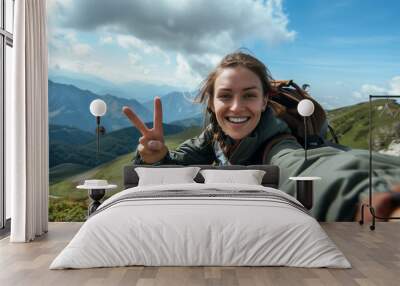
<point>304,185</point>
<point>305,108</point>
<point>98,108</point>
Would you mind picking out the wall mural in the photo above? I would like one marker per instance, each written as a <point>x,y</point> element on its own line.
<point>129,53</point>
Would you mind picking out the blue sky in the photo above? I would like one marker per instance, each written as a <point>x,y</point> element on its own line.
<point>345,49</point>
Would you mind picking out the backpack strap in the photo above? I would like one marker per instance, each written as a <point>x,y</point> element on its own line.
<point>284,99</point>
<point>333,134</point>
<point>281,83</point>
<point>273,141</point>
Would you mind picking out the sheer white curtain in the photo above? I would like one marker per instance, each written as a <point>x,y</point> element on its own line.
<point>27,124</point>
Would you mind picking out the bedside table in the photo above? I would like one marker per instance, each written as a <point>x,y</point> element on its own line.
<point>96,191</point>
<point>304,190</point>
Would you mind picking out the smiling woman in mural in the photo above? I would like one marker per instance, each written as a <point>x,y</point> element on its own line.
<point>236,95</point>
<point>242,122</point>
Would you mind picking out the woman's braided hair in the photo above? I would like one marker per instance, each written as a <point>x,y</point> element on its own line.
<point>206,93</point>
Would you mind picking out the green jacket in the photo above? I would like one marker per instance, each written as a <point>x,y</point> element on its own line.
<point>345,178</point>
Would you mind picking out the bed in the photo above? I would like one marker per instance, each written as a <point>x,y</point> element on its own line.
<point>201,224</point>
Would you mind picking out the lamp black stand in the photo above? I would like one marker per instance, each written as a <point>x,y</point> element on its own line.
<point>98,134</point>
<point>304,185</point>
<point>96,195</point>
<point>304,193</point>
<point>100,130</point>
<point>305,190</point>
<point>305,139</point>
<point>369,205</point>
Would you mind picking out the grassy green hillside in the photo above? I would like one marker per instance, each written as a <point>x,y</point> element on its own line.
<point>69,135</point>
<point>70,204</point>
<point>351,124</point>
<point>62,171</point>
<point>64,156</point>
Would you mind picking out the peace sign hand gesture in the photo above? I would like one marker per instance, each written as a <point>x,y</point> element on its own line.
<point>151,145</point>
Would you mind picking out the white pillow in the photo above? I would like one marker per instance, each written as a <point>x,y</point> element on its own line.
<point>165,176</point>
<point>249,177</point>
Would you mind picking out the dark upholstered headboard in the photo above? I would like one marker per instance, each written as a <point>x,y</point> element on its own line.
<point>271,177</point>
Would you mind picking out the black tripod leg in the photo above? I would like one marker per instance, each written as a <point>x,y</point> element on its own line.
<point>361,221</point>
<point>372,227</point>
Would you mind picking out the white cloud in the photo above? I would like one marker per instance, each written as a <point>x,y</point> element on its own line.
<point>130,42</point>
<point>394,84</point>
<point>134,58</point>
<point>393,88</point>
<point>194,29</point>
<point>81,49</point>
<point>184,73</point>
<point>167,42</point>
<point>106,40</point>
<point>189,25</point>
<point>57,11</point>
<point>64,43</point>
<point>372,89</point>
<point>358,95</point>
<point>58,7</point>
<point>100,69</point>
<point>369,89</point>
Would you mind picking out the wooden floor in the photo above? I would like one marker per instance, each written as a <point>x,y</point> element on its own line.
<point>374,255</point>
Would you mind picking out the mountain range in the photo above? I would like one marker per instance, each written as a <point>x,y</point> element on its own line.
<point>69,106</point>
<point>177,106</point>
<point>74,146</point>
<point>137,90</point>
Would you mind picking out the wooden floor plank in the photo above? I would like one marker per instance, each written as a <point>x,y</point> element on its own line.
<point>374,255</point>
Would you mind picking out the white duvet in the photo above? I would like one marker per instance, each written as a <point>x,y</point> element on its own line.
<point>183,231</point>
